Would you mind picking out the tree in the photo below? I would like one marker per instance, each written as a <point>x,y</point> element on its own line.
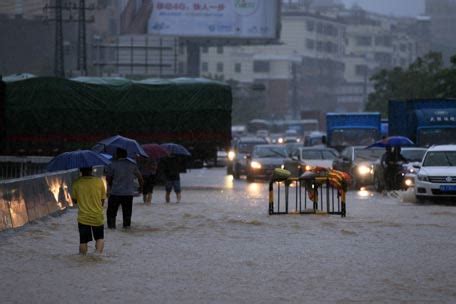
<point>248,102</point>
<point>421,79</point>
<point>446,80</point>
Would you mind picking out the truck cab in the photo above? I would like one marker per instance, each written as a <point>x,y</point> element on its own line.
<point>352,129</point>
<point>426,122</point>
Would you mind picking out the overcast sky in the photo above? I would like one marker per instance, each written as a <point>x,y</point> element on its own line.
<point>394,7</point>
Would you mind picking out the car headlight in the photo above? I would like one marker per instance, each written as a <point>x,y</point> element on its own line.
<point>255,165</point>
<point>309,167</point>
<point>231,155</point>
<point>422,177</point>
<point>364,169</point>
<point>408,182</point>
<point>280,140</point>
<point>411,170</point>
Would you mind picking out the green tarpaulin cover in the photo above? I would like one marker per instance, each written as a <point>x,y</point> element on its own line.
<point>60,114</point>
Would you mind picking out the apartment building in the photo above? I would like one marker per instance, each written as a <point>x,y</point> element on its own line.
<point>442,15</point>
<point>301,73</point>
<point>373,42</point>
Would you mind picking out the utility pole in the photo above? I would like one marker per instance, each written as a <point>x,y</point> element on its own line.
<point>59,66</point>
<point>82,43</point>
<point>69,7</point>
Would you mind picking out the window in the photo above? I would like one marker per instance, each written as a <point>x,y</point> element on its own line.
<point>383,41</point>
<point>237,68</point>
<point>220,67</point>
<point>360,70</point>
<point>364,41</point>
<point>204,67</point>
<point>310,44</point>
<point>220,50</point>
<point>383,58</point>
<point>204,49</point>
<point>261,66</point>
<point>310,26</point>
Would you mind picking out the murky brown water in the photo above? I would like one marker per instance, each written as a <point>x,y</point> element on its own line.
<point>220,246</point>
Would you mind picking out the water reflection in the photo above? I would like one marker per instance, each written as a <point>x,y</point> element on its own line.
<point>364,193</point>
<point>255,189</point>
<point>228,182</point>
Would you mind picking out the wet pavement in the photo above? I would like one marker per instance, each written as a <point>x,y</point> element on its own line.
<point>220,246</point>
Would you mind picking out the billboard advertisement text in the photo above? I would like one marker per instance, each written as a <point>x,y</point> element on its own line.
<point>249,19</point>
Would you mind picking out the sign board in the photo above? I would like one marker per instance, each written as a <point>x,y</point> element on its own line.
<point>242,19</point>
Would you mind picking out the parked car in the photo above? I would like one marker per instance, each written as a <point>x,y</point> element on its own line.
<point>413,155</point>
<point>237,156</point>
<point>358,162</point>
<point>264,159</point>
<point>307,158</point>
<point>436,178</point>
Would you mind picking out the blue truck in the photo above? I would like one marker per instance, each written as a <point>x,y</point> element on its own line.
<point>426,122</point>
<point>352,129</point>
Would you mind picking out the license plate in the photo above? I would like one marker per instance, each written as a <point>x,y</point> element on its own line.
<point>445,188</point>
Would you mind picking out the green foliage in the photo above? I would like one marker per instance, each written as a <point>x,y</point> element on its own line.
<point>248,102</point>
<point>425,78</point>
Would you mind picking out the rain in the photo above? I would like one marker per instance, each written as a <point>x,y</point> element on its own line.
<point>315,144</point>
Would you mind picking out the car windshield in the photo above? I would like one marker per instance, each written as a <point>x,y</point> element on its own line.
<point>368,154</point>
<point>247,147</point>
<point>413,155</point>
<point>352,137</point>
<point>440,159</point>
<point>269,151</point>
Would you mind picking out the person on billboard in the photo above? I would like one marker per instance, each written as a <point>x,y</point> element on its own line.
<point>135,16</point>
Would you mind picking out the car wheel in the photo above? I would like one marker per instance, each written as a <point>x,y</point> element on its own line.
<point>250,178</point>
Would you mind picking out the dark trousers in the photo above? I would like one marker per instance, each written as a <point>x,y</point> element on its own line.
<point>389,178</point>
<point>126,201</point>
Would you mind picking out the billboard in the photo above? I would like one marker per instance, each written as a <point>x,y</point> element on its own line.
<point>245,19</point>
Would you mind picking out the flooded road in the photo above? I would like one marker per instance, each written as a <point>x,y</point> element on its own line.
<point>220,246</point>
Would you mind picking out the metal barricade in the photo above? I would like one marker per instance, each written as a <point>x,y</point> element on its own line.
<point>307,195</point>
<point>17,167</point>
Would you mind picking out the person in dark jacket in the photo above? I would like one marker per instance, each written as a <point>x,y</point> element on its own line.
<point>387,163</point>
<point>171,171</point>
<point>121,175</point>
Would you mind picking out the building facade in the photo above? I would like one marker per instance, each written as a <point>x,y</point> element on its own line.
<point>301,73</point>
<point>442,15</point>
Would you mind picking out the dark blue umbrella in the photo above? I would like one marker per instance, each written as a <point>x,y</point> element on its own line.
<point>76,160</point>
<point>392,141</point>
<point>176,149</point>
<point>110,145</point>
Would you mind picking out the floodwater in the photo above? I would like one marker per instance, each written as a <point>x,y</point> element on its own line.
<point>220,246</point>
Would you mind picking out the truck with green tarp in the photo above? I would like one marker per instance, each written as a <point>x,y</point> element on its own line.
<point>47,116</point>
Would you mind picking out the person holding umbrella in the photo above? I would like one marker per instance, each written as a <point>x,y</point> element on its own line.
<point>148,168</point>
<point>121,175</point>
<point>172,166</point>
<point>171,171</point>
<point>89,193</point>
<point>387,162</point>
